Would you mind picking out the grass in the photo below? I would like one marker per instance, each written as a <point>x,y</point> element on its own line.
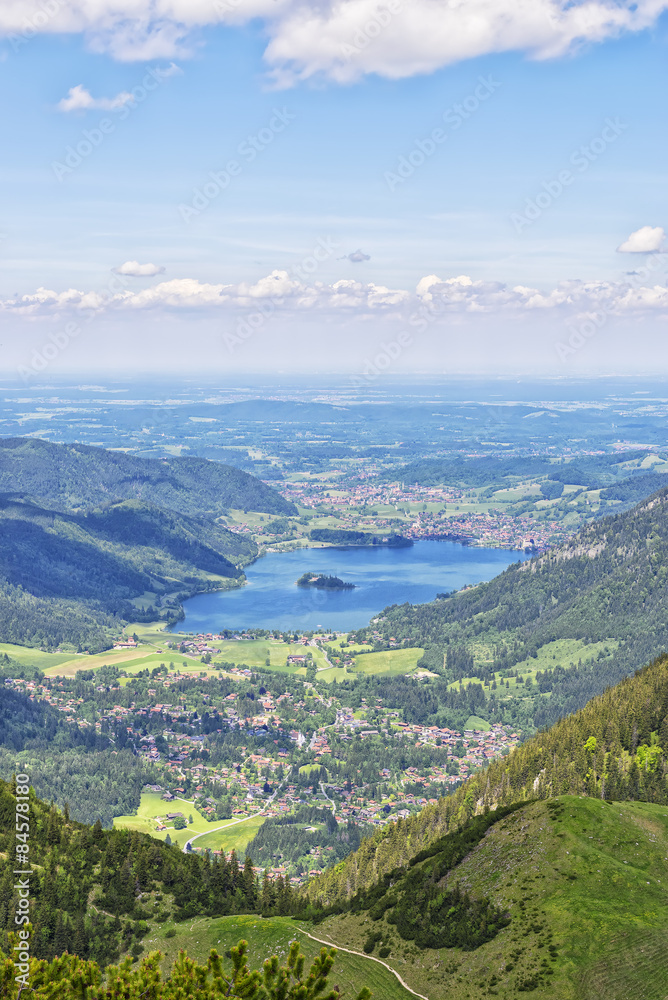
<point>475,722</point>
<point>561,652</point>
<point>235,837</point>
<point>34,657</point>
<point>390,661</point>
<point>268,937</point>
<point>251,652</point>
<point>151,806</point>
<point>334,673</point>
<point>351,647</point>
<point>119,657</point>
<point>581,876</point>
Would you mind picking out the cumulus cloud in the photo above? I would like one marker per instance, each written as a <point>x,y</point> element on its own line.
<point>343,39</point>
<point>647,239</point>
<point>133,269</point>
<point>356,257</point>
<point>80,99</point>
<point>434,298</point>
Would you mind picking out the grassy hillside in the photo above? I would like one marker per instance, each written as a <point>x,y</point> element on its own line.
<point>75,476</point>
<point>584,884</point>
<point>272,936</point>
<point>615,747</point>
<point>95,891</point>
<point>69,577</point>
<point>590,471</point>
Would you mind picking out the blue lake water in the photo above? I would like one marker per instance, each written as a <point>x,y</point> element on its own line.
<point>382,576</point>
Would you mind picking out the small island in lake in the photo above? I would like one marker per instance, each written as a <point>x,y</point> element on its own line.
<point>323,582</point>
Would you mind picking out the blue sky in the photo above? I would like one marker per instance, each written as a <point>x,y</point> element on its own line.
<point>339,166</point>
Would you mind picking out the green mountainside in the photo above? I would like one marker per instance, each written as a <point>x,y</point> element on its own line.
<point>606,583</point>
<point>545,873</point>
<point>72,577</point>
<point>94,890</point>
<point>616,747</point>
<point>91,539</point>
<point>592,471</point>
<point>556,858</point>
<point>91,770</point>
<point>581,883</point>
<point>73,476</point>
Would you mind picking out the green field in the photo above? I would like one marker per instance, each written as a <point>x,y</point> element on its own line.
<point>152,805</point>
<point>309,768</point>
<point>332,673</point>
<point>475,722</point>
<point>581,876</point>
<point>390,661</point>
<point>561,652</point>
<point>236,836</point>
<point>33,657</point>
<point>251,652</point>
<point>131,660</point>
<point>272,937</point>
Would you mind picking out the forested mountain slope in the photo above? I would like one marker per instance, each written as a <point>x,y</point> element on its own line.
<point>73,476</point>
<point>93,771</point>
<point>579,883</point>
<point>93,890</point>
<point>616,747</point>
<point>592,471</point>
<point>68,577</point>
<point>607,582</point>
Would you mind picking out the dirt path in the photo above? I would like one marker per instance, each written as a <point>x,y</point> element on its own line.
<point>361,954</point>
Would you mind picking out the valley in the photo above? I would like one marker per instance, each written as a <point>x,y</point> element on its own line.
<point>302,771</point>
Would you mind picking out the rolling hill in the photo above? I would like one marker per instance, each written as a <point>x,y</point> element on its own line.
<point>616,747</point>
<point>545,873</point>
<point>593,471</point>
<point>581,883</point>
<point>73,577</point>
<point>75,476</point>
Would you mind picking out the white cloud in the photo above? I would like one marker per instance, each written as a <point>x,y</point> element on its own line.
<point>80,99</point>
<point>435,298</point>
<point>133,269</point>
<point>647,239</point>
<point>356,257</point>
<point>342,39</point>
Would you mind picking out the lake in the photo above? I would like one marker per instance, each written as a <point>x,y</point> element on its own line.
<point>382,576</point>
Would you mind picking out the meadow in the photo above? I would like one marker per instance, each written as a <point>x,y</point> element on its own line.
<point>152,806</point>
<point>216,835</point>
<point>272,936</point>
<point>390,661</point>
<point>584,883</point>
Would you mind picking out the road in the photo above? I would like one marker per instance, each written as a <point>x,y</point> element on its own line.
<point>235,822</point>
<point>323,789</point>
